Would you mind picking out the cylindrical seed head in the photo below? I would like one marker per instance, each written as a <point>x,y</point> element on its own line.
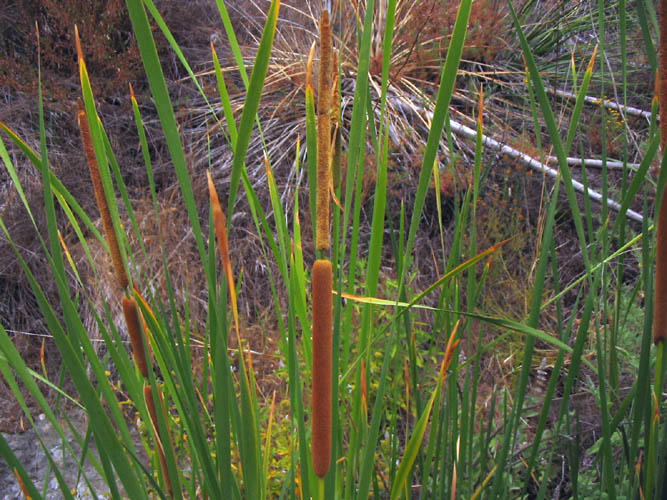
<point>322,366</point>
<point>136,337</point>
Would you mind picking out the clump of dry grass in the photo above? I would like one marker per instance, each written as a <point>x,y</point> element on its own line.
<point>111,50</point>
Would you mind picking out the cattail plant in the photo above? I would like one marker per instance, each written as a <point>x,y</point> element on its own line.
<point>129,305</point>
<point>322,268</point>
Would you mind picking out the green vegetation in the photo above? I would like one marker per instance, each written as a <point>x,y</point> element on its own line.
<point>477,328</point>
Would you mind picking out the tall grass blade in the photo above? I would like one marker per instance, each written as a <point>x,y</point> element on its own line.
<point>252,101</point>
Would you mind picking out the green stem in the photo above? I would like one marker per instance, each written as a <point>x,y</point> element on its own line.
<point>652,444</point>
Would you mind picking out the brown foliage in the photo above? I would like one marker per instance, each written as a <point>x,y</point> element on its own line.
<point>106,31</point>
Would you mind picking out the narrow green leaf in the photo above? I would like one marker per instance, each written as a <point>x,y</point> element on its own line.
<point>251,104</point>
<point>413,447</point>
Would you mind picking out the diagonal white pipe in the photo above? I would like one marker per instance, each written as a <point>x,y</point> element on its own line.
<point>461,129</point>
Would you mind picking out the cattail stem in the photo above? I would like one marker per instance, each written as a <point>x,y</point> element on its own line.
<point>660,293</point>
<point>324,98</point>
<point>136,336</point>
<point>322,366</point>
<point>100,197</point>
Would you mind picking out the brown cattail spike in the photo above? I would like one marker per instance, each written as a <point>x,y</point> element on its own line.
<point>322,345</point>
<point>101,198</point>
<point>324,132</point>
<point>136,337</point>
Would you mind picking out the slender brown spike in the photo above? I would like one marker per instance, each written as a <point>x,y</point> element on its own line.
<point>42,362</point>
<point>452,343</point>
<point>150,404</point>
<point>480,107</point>
<point>136,336</point>
<point>322,366</point>
<point>324,132</point>
<point>100,197</point>
<point>591,62</point>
